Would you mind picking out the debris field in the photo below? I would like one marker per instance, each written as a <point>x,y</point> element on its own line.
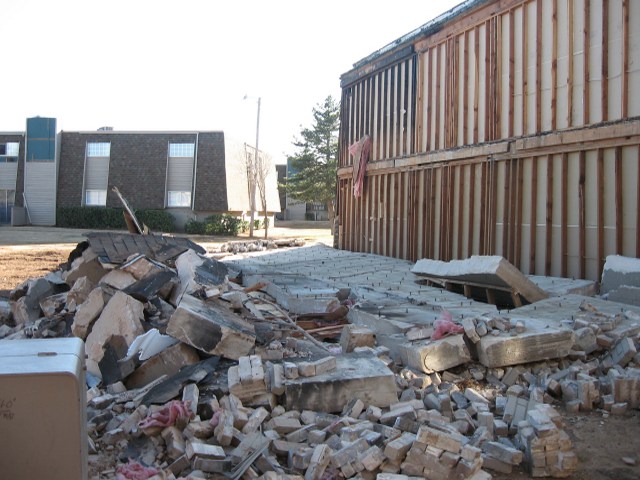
<point>309,362</point>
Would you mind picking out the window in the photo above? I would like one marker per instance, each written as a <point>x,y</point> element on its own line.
<point>102,149</point>
<point>95,198</point>
<point>181,149</point>
<point>179,199</point>
<point>9,152</point>
<point>96,174</point>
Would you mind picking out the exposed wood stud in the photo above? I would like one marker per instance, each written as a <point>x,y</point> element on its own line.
<point>438,85</point>
<point>549,217</point>
<point>534,216</point>
<point>488,82</point>
<point>465,102</point>
<point>476,90</point>
<point>586,48</point>
<point>538,127</point>
<point>605,60</point>
<point>554,66</point>
<point>428,98</point>
<point>582,213</point>
<point>493,202</point>
<point>512,75</point>
<point>619,175</point>
<point>638,206</point>
<point>471,207</point>
<point>512,211</point>
<point>525,80</point>
<point>460,174</point>
<point>483,206</point>
<point>625,58</point>
<point>600,209</point>
<point>450,224</point>
<point>570,66</point>
<point>520,199</point>
<point>564,240</point>
<point>506,251</point>
<point>388,218</point>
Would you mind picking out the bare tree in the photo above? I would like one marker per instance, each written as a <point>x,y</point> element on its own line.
<point>259,166</point>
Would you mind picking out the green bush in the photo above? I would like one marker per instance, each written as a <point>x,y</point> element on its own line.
<point>216,224</point>
<point>157,220</point>
<point>106,218</point>
<point>194,227</point>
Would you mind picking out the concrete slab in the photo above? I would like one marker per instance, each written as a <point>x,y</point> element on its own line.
<point>537,342</point>
<point>489,271</point>
<point>357,376</point>
<point>619,271</point>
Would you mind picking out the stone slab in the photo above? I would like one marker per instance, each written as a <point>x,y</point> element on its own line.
<point>537,342</point>
<point>357,376</point>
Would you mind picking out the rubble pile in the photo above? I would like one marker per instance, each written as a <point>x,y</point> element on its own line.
<point>243,246</point>
<point>196,370</point>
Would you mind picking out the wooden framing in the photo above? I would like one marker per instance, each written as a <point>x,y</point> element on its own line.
<point>467,157</point>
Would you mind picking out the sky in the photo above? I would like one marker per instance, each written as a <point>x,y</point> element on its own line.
<point>151,65</point>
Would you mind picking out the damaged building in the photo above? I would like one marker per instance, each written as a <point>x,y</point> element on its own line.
<point>499,128</point>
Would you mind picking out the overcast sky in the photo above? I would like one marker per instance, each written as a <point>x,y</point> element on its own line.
<point>187,64</point>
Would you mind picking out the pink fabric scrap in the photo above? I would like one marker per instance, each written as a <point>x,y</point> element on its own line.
<point>360,152</point>
<point>444,326</point>
<point>167,415</point>
<point>135,471</point>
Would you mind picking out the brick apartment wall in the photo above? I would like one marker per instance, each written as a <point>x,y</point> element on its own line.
<point>211,181</point>
<point>70,169</point>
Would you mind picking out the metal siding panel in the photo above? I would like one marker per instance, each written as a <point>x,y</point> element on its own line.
<point>8,175</point>
<point>180,174</point>
<point>40,192</point>
<point>97,173</point>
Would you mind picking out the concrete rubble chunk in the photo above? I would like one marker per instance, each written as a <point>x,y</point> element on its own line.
<point>298,294</point>
<point>196,271</point>
<point>538,342</point>
<point>211,328</point>
<point>86,265</point>
<point>121,317</point>
<point>79,293</point>
<point>435,355</point>
<point>117,279</point>
<point>88,312</point>
<point>354,336</point>
<point>619,271</point>
<point>359,376</point>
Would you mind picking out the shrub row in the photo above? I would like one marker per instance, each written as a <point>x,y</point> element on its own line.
<point>106,218</point>
<point>217,224</point>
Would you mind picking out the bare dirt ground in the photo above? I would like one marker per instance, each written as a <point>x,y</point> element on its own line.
<point>31,252</point>
<point>600,442</point>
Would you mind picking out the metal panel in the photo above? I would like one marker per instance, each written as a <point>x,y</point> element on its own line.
<point>8,175</point>
<point>180,174</point>
<point>97,174</point>
<point>40,192</point>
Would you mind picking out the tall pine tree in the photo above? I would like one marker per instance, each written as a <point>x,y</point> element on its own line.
<point>314,165</point>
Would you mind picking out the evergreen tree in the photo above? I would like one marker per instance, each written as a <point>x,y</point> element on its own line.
<point>314,165</point>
